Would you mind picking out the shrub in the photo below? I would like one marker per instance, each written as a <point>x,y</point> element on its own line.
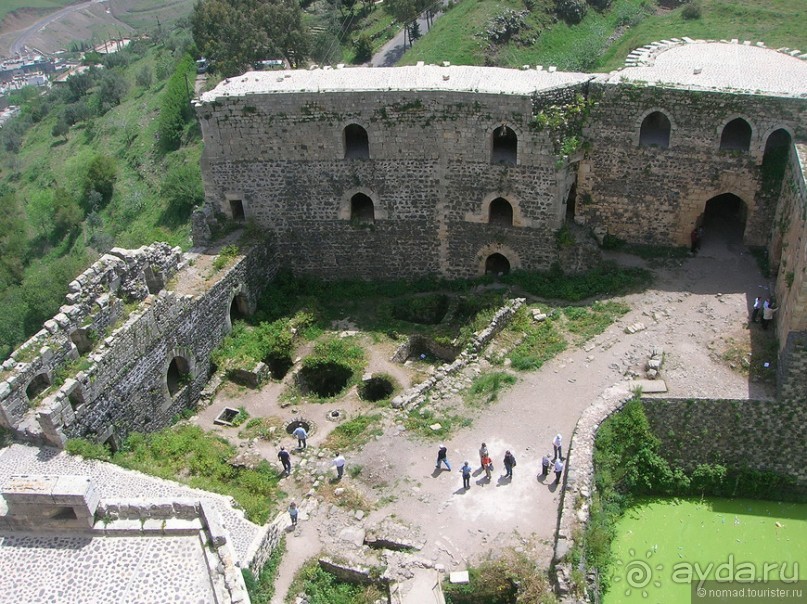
<point>600,4</point>
<point>364,48</point>
<point>175,108</point>
<point>100,177</point>
<point>87,449</point>
<point>691,11</point>
<point>182,189</point>
<point>571,11</point>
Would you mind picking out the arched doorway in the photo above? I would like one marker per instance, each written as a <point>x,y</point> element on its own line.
<point>774,160</point>
<point>239,308</point>
<point>357,144</point>
<point>724,219</point>
<point>497,265</point>
<point>736,136</point>
<point>655,131</point>
<point>362,209</point>
<point>176,375</point>
<point>37,386</point>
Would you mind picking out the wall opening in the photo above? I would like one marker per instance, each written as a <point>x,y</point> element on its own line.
<point>154,280</point>
<point>37,386</point>
<point>571,202</point>
<point>736,136</point>
<point>655,131</point>
<point>724,219</point>
<point>357,144</point>
<point>505,146</point>
<point>81,338</point>
<point>500,212</point>
<point>176,375</point>
<point>76,399</point>
<point>496,264</point>
<point>362,209</point>
<point>774,160</point>
<point>237,210</point>
<point>239,308</point>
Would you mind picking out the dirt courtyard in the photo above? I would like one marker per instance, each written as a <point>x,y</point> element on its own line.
<point>696,309</point>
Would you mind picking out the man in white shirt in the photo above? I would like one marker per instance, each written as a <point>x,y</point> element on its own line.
<point>558,471</point>
<point>339,462</point>
<point>556,444</point>
<point>301,435</point>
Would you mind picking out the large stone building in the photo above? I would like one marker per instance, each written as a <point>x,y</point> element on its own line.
<point>465,170</point>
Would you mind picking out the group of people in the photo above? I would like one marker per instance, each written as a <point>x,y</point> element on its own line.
<point>509,462</point>
<point>767,309</point>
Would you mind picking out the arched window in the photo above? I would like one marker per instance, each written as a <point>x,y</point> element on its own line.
<point>239,308</point>
<point>774,160</point>
<point>736,136</point>
<point>655,131</point>
<point>362,209</point>
<point>505,146</point>
<point>496,264</point>
<point>37,386</point>
<point>357,145</point>
<point>501,212</point>
<point>778,144</point>
<point>175,376</point>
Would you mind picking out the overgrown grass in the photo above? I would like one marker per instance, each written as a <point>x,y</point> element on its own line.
<point>587,322</point>
<point>321,587</point>
<point>542,341</point>
<point>510,578</point>
<point>262,588</point>
<point>261,427</point>
<point>420,420</point>
<point>487,387</point>
<point>607,279</point>
<point>188,454</point>
<point>458,36</point>
<point>353,433</point>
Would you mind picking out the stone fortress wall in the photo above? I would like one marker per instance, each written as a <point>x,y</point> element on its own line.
<point>127,352</point>
<point>430,176</point>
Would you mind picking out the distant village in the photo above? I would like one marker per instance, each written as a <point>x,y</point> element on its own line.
<point>32,68</point>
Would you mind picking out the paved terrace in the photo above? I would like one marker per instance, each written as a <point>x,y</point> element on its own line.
<point>723,66</point>
<point>113,482</point>
<point>690,64</point>
<point>485,80</point>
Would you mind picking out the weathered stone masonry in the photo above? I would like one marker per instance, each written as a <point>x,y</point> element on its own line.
<point>147,370</point>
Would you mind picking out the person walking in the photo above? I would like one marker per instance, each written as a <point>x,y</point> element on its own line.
<point>487,465</point>
<point>442,457</point>
<point>545,463</point>
<point>558,471</point>
<point>509,464</point>
<point>483,453</point>
<point>557,445</point>
<point>466,475</point>
<point>301,435</point>
<point>767,313</point>
<point>756,309</point>
<point>293,513</point>
<point>285,459</point>
<point>339,462</point>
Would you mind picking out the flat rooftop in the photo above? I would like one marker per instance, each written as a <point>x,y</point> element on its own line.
<point>694,64</point>
<point>722,66</point>
<point>485,80</point>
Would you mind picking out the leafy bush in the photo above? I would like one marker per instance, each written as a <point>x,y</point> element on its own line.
<point>571,11</point>
<point>692,10</point>
<point>363,46</point>
<point>87,449</point>
<point>100,177</point>
<point>175,108</point>
<point>183,190</point>
<point>246,345</point>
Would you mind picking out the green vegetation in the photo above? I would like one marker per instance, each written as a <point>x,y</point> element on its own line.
<point>74,191</point>
<point>542,341</point>
<point>9,6</point>
<point>262,588</point>
<point>587,322</point>
<point>190,455</point>
<point>261,427</point>
<point>518,32</point>
<point>607,279</point>
<point>628,463</point>
<point>512,578</point>
<point>486,388</point>
<point>334,364</point>
<point>321,587</point>
<point>226,255</point>
<point>420,420</point>
<point>353,433</point>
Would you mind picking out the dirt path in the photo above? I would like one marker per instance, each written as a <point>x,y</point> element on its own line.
<point>694,305</point>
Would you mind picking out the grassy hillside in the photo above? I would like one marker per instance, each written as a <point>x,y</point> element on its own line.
<point>9,6</point>
<point>71,192</point>
<point>602,39</point>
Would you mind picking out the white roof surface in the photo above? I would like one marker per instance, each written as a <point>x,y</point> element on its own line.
<point>493,80</point>
<point>723,66</point>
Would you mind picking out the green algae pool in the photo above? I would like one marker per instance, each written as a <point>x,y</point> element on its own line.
<point>664,544</point>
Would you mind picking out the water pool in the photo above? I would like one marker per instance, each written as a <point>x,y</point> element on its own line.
<point>662,544</point>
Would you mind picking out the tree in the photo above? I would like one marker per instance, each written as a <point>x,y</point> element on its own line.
<point>60,128</point>
<point>235,34</point>
<point>13,240</point>
<point>112,90</point>
<point>67,213</point>
<point>100,177</point>
<point>364,48</point>
<point>143,77</point>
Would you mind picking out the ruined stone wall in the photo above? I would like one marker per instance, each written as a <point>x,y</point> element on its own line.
<point>789,250</point>
<point>653,195</point>
<point>429,175</point>
<point>139,375</point>
<point>736,433</point>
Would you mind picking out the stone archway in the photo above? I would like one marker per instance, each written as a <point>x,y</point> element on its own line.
<point>177,373</point>
<point>724,218</point>
<point>497,265</point>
